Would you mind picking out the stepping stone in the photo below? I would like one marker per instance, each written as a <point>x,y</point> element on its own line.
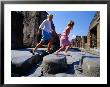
<point>23,61</point>
<point>20,59</point>
<point>53,64</point>
<point>23,67</point>
<point>91,67</point>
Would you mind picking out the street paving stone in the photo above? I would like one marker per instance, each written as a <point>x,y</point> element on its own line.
<point>73,58</point>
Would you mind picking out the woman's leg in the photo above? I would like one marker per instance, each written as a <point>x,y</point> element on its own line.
<point>37,46</point>
<point>49,44</point>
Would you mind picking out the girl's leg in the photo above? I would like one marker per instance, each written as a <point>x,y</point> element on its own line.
<point>67,47</point>
<point>60,49</point>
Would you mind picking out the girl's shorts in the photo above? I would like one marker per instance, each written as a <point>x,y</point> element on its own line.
<point>64,41</point>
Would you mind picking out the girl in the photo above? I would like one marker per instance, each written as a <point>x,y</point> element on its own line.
<point>64,42</point>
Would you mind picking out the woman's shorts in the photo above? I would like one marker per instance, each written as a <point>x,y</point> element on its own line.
<point>46,36</point>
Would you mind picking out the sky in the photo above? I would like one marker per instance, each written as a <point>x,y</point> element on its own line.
<point>81,19</point>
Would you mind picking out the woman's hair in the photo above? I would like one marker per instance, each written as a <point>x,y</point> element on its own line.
<point>70,23</point>
<point>50,15</point>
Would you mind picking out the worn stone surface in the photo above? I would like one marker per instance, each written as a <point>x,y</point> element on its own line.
<point>54,64</point>
<point>23,61</point>
<point>20,56</point>
<point>91,66</point>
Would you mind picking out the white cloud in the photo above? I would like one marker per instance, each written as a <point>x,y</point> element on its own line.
<point>72,37</point>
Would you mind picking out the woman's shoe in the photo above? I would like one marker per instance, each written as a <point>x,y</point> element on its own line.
<point>48,52</point>
<point>31,51</point>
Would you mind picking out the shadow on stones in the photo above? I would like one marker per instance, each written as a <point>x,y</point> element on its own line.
<point>59,55</point>
<point>89,57</point>
<point>74,50</point>
<point>22,49</point>
<point>71,69</point>
<point>23,72</point>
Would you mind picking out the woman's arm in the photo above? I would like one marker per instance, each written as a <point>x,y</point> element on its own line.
<point>42,24</point>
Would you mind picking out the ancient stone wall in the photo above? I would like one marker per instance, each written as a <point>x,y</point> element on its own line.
<point>24,25</point>
<point>92,40</point>
<point>79,41</point>
<point>16,30</point>
<point>93,37</point>
<point>32,20</point>
<point>84,41</point>
<point>98,36</point>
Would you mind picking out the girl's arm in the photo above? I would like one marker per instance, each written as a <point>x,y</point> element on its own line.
<point>66,31</point>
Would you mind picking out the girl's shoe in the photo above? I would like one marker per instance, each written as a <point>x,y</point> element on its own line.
<point>56,53</point>
<point>65,54</point>
<point>31,51</point>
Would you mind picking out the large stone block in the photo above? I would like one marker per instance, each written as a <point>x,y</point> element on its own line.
<point>91,67</point>
<point>53,64</point>
<point>23,66</point>
<point>23,61</point>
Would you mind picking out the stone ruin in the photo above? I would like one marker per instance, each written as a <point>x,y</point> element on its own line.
<point>79,41</point>
<point>24,25</point>
<point>92,40</point>
<point>32,20</point>
<point>93,37</point>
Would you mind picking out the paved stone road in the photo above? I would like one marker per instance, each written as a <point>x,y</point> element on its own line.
<point>73,58</point>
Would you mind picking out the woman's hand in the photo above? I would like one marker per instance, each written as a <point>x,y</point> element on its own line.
<point>55,33</point>
<point>37,33</point>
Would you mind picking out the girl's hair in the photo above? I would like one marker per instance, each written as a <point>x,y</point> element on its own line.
<point>70,23</point>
